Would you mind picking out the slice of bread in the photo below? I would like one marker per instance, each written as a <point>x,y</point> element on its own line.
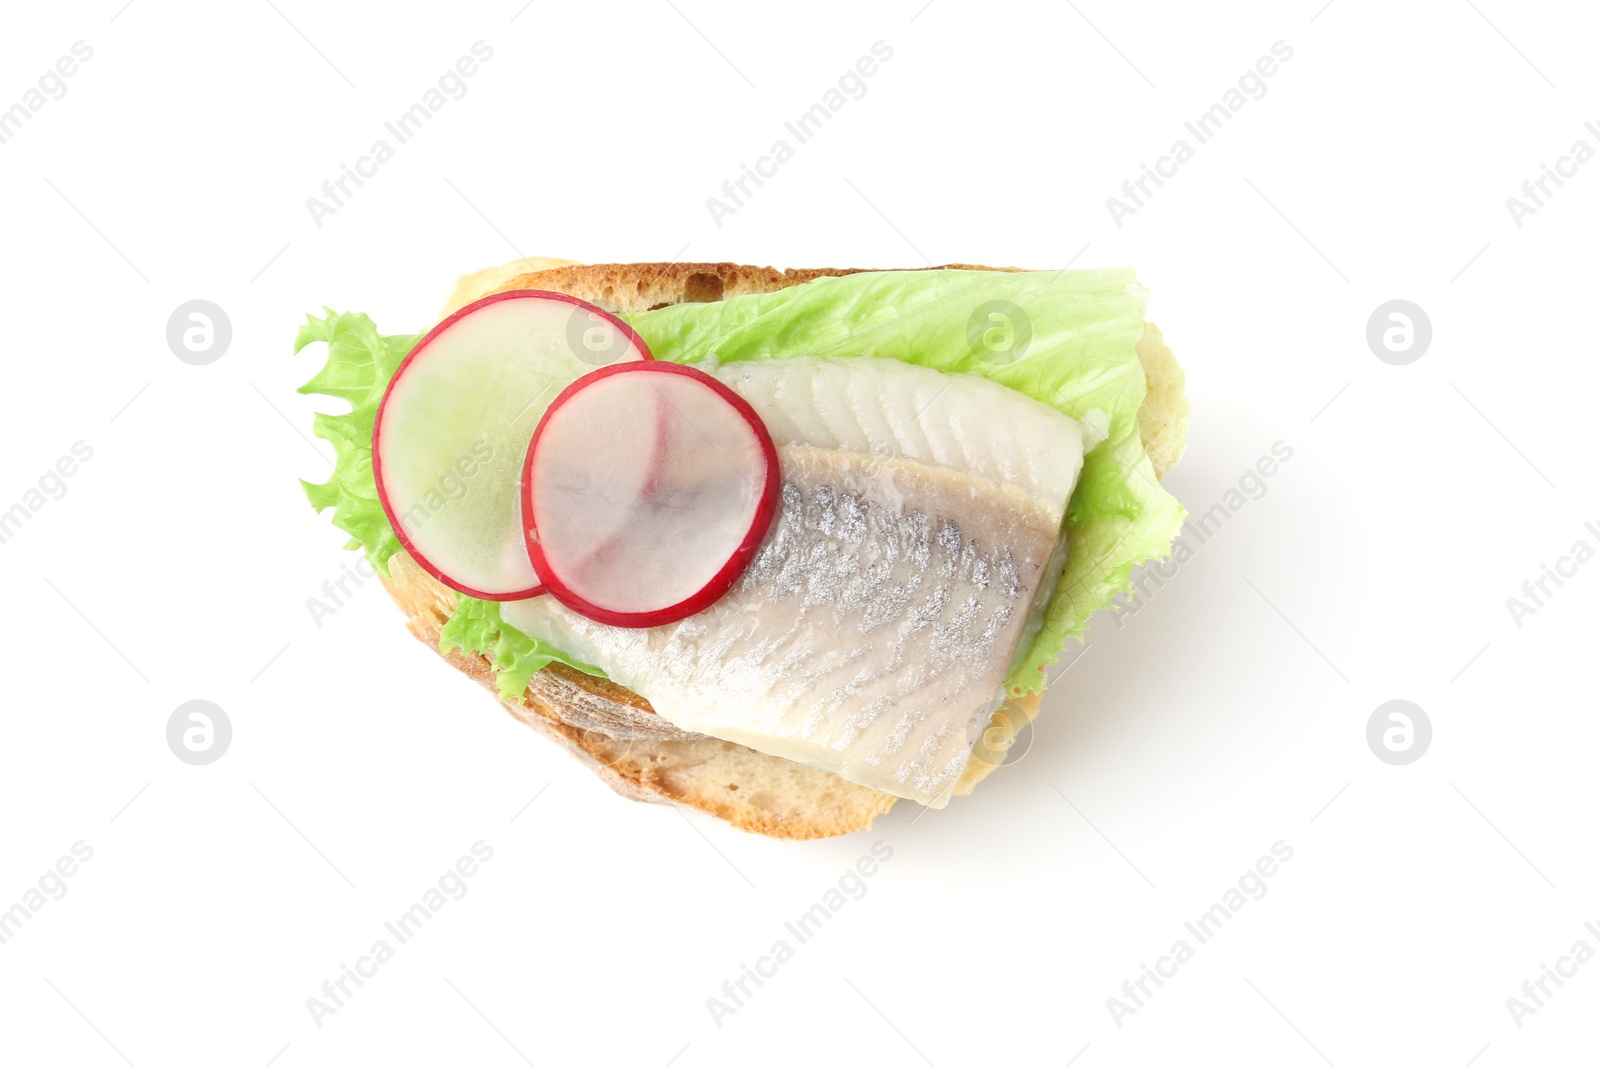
<point>613,730</point>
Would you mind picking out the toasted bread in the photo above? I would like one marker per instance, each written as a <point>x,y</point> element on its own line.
<point>612,729</point>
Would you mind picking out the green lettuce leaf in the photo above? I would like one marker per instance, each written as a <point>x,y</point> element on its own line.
<point>360,364</point>
<point>476,627</point>
<point>1066,339</point>
<point>1102,489</point>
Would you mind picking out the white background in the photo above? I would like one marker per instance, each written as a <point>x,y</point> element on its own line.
<point>1227,714</point>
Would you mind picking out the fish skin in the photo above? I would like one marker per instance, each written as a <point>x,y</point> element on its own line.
<point>871,633</point>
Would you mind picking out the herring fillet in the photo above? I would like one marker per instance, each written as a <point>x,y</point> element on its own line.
<point>871,634</point>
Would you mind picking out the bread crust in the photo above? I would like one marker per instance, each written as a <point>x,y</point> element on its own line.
<point>613,730</point>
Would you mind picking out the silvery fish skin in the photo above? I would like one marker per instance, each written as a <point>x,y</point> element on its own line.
<point>871,633</point>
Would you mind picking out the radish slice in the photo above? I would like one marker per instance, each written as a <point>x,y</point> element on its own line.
<point>453,430</point>
<point>647,490</point>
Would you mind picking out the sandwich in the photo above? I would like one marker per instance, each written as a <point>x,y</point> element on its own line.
<point>783,546</point>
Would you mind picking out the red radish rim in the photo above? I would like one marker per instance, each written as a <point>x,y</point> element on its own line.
<point>720,582</point>
<point>383,405</point>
